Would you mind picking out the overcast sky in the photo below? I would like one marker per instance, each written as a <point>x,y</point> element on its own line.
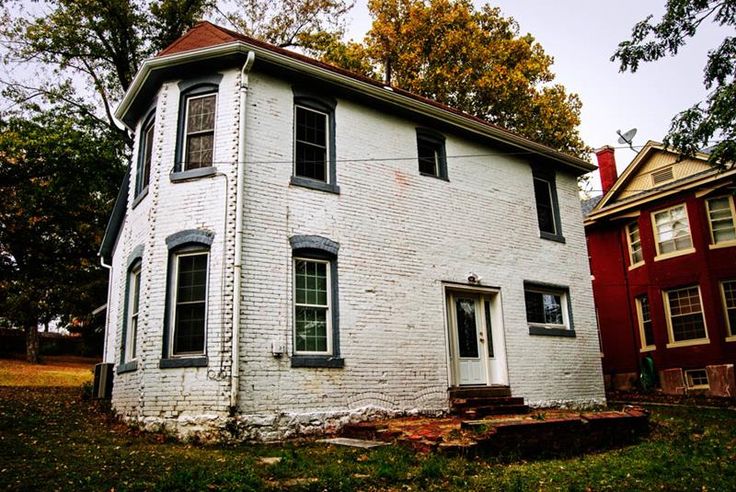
<point>582,35</point>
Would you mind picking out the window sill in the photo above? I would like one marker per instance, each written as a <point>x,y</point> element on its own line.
<point>731,338</point>
<point>650,348</point>
<point>313,184</point>
<point>127,367</point>
<point>201,172</point>
<point>317,361</point>
<point>552,237</point>
<point>552,332</point>
<point>143,194</point>
<point>636,265</point>
<point>674,254</point>
<point>441,178</point>
<point>689,343</point>
<point>175,362</point>
<point>724,244</point>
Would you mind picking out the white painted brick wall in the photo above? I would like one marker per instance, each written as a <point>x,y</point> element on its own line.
<point>401,236</point>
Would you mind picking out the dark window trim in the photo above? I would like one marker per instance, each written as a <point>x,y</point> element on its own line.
<point>148,122</point>
<point>135,260</point>
<point>124,367</point>
<point>191,240</point>
<point>436,138</point>
<point>189,88</point>
<point>200,172</point>
<point>540,330</point>
<point>549,176</point>
<point>320,248</point>
<point>327,105</point>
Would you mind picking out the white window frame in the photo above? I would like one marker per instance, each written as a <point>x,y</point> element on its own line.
<point>563,305</point>
<point>655,230</point>
<point>689,379</point>
<point>640,317</point>
<point>730,330</point>
<point>668,315</point>
<point>634,264</point>
<point>184,141</point>
<point>328,313</point>
<point>328,136</point>
<point>723,244</point>
<point>134,284</point>
<point>172,306</point>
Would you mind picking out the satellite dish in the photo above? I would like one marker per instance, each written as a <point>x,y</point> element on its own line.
<point>627,138</point>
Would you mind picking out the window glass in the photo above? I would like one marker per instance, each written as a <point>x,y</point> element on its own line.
<point>200,131</point>
<point>311,144</point>
<point>646,322</point>
<point>134,289</point>
<point>720,214</point>
<point>544,308</point>
<point>467,332</point>
<point>429,156</point>
<point>697,378</point>
<point>545,210</point>
<point>190,305</point>
<point>146,151</point>
<point>729,299</point>
<point>686,314</point>
<point>673,230</point>
<point>635,243</point>
<point>311,300</point>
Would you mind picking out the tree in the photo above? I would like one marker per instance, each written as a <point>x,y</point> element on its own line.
<point>712,121</point>
<point>59,173</point>
<point>472,60</point>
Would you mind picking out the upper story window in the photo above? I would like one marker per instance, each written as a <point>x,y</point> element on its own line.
<point>721,217</point>
<point>199,140</point>
<point>646,333</point>
<point>672,231</point>
<point>195,144</point>
<point>547,309</point>
<point>431,152</point>
<point>145,156</point>
<point>634,239</point>
<point>685,317</point>
<point>133,307</point>
<point>314,142</point>
<point>548,210</point>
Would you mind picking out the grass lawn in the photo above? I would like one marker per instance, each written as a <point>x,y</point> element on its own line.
<point>54,371</point>
<point>52,440</point>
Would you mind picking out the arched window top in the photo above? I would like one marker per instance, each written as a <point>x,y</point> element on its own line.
<point>135,257</point>
<point>314,243</point>
<point>314,99</point>
<point>207,83</point>
<point>200,237</point>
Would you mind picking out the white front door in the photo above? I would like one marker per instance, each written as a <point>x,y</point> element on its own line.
<point>477,349</point>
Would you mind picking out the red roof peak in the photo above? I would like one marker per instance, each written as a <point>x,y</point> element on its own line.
<point>201,35</point>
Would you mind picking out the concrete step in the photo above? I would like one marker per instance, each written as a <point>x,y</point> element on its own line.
<point>459,403</point>
<point>479,391</point>
<point>483,411</point>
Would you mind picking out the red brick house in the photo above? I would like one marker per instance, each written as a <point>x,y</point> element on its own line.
<point>662,246</point>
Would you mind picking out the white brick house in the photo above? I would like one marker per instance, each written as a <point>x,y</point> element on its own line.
<point>371,248</point>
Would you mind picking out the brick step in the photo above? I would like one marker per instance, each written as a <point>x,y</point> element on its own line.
<point>481,401</point>
<point>479,391</point>
<point>483,411</point>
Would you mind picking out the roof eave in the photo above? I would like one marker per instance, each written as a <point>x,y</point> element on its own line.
<point>385,94</point>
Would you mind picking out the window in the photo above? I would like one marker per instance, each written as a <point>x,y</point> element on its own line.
<point>134,293</point>
<point>685,316</point>
<point>145,154</point>
<point>316,318</point>
<point>672,231</point>
<point>721,214</point>
<point>548,212</point>
<point>645,323</point>
<point>547,310</point>
<point>634,238</point>
<point>189,303</point>
<point>185,324</point>
<point>195,142</point>
<point>314,142</point>
<point>697,379</point>
<point>431,152</point>
<point>728,291</point>
<point>199,131</point>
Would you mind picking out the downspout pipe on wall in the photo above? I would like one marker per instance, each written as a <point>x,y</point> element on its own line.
<point>107,311</point>
<point>238,267</point>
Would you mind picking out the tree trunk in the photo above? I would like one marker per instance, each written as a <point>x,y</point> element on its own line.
<point>32,343</point>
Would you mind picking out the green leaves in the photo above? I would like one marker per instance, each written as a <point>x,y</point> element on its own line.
<point>711,122</point>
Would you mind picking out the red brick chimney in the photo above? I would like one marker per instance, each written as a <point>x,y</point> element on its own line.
<point>607,167</point>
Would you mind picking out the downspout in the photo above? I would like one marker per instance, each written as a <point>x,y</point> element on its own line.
<point>107,311</point>
<point>238,267</point>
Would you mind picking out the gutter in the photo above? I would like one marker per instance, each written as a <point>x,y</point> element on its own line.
<point>238,267</point>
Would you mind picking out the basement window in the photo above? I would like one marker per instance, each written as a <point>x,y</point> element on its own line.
<point>697,379</point>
